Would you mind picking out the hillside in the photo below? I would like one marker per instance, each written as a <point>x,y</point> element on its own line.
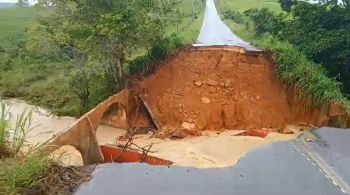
<point>4,5</point>
<point>13,24</point>
<point>241,6</point>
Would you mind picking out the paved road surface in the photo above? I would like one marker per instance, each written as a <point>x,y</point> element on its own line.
<point>214,31</point>
<point>316,163</point>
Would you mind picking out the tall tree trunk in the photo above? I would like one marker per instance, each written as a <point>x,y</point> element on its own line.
<point>118,61</point>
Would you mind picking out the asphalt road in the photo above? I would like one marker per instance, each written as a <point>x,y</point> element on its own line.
<point>314,165</point>
<point>214,31</point>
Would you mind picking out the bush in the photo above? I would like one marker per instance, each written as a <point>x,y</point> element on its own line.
<point>26,173</point>
<point>146,64</point>
<point>265,21</point>
<point>41,43</point>
<point>53,94</point>
<point>235,16</point>
<point>321,32</point>
<point>294,69</point>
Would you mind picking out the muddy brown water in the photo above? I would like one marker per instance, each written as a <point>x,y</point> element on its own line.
<point>213,149</point>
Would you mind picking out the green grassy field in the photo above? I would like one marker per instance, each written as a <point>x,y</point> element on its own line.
<point>192,12</point>
<point>41,82</point>
<point>243,5</point>
<point>13,23</point>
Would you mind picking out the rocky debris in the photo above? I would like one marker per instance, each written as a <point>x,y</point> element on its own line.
<point>228,83</point>
<point>211,83</point>
<point>177,134</point>
<point>254,133</point>
<point>198,83</point>
<point>286,130</point>
<point>197,71</point>
<point>188,126</point>
<point>305,124</point>
<point>205,100</point>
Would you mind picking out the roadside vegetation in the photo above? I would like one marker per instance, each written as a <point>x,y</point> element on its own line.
<point>26,169</point>
<point>310,45</point>
<point>69,62</point>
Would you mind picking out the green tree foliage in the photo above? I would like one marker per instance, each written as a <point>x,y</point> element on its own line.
<point>286,5</point>
<point>146,64</point>
<point>295,69</point>
<point>40,43</point>
<point>321,32</point>
<point>233,15</point>
<point>100,37</point>
<point>265,21</point>
<point>22,3</point>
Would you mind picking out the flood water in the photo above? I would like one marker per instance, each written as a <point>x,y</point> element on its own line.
<point>213,149</point>
<point>45,126</point>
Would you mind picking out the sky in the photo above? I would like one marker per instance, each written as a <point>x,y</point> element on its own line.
<point>15,1</point>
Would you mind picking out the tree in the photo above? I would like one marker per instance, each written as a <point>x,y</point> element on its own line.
<point>40,43</point>
<point>286,5</point>
<point>111,29</point>
<point>344,3</point>
<point>320,31</point>
<point>22,3</point>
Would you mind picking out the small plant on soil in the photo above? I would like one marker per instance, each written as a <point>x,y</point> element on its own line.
<point>28,169</point>
<point>4,124</point>
<point>12,137</point>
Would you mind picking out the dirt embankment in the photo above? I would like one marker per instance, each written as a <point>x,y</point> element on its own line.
<point>218,89</point>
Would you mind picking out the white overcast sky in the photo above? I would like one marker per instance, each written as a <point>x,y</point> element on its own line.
<point>15,1</point>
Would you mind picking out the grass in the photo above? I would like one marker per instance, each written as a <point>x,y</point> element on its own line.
<point>26,172</point>
<point>315,89</point>
<point>18,170</point>
<point>13,24</point>
<point>241,6</point>
<point>45,82</point>
<point>12,135</point>
<point>294,69</point>
<point>191,21</point>
<point>29,170</point>
<point>146,64</point>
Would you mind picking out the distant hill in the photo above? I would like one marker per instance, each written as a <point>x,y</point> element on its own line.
<point>7,5</point>
<point>13,23</point>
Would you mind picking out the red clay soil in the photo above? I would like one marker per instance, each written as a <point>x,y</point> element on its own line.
<point>115,154</point>
<point>217,90</point>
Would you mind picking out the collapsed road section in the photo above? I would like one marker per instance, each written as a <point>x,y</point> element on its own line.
<point>222,83</point>
<point>281,168</point>
<point>199,89</point>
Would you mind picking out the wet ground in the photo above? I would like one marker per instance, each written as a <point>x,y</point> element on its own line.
<point>209,150</point>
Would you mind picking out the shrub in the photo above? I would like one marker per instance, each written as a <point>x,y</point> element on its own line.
<point>233,15</point>
<point>265,21</point>
<point>295,69</point>
<point>146,64</point>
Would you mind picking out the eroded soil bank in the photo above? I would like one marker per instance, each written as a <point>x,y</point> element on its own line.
<point>212,149</point>
<point>217,90</point>
<point>211,90</point>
